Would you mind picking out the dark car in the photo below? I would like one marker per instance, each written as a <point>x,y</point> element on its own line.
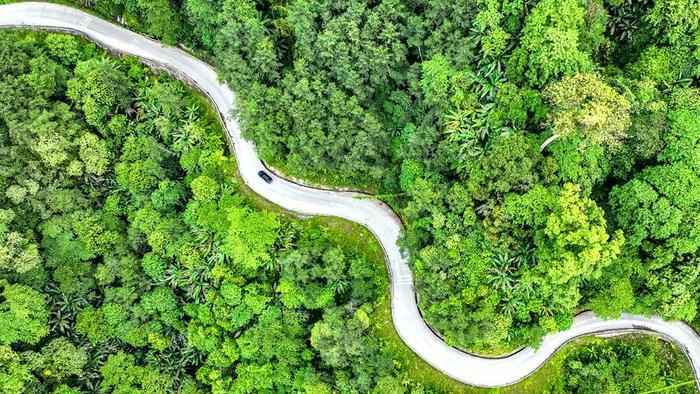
<point>267,178</point>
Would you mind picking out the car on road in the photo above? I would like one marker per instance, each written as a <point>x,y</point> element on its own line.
<point>265,176</point>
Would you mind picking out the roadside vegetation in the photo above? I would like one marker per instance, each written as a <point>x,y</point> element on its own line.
<point>442,107</point>
<point>133,260</point>
<point>131,263</point>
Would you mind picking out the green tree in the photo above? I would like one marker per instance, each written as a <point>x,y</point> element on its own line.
<point>139,169</point>
<point>583,105</point>
<point>61,360</point>
<point>46,77</point>
<point>100,89</point>
<point>17,254</point>
<point>617,367</point>
<point>570,234</point>
<point>121,374</point>
<point>205,188</point>
<point>250,236</point>
<point>93,154</point>
<point>657,209</point>
<point>552,44</point>
<point>15,376</point>
<point>64,47</point>
<point>23,315</point>
<point>677,23</point>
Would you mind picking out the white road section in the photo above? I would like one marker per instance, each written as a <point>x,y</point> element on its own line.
<point>373,214</point>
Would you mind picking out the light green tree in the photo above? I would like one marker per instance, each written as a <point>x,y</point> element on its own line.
<point>93,153</point>
<point>584,105</point>
<point>551,42</point>
<point>23,315</point>
<point>15,376</point>
<point>573,241</point>
<point>61,360</point>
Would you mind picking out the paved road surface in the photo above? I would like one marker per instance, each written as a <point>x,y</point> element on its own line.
<point>378,217</point>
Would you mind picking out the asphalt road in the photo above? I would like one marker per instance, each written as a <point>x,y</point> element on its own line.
<point>375,215</point>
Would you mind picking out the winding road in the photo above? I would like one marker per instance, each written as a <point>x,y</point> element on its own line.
<point>375,215</point>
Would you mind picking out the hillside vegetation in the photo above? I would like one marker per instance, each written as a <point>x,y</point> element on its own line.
<point>131,263</point>
<point>129,257</point>
<point>443,106</point>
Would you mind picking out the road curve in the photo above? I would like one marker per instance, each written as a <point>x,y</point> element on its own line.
<point>375,215</point>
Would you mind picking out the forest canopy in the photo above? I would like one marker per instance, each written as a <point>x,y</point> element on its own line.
<point>132,262</point>
<point>440,107</point>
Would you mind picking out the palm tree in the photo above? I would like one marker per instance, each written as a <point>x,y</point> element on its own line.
<point>340,286</point>
<point>192,113</point>
<point>271,265</point>
<point>286,240</point>
<point>487,81</point>
<point>526,255</point>
<point>501,273</point>
<point>625,19</point>
<point>526,288</point>
<point>178,360</point>
<point>64,309</point>
<point>470,129</point>
<point>511,306</point>
<point>97,355</point>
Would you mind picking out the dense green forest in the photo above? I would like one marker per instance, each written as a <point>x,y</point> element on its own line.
<point>443,105</point>
<point>131,262</point>
<point>619,367</point>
